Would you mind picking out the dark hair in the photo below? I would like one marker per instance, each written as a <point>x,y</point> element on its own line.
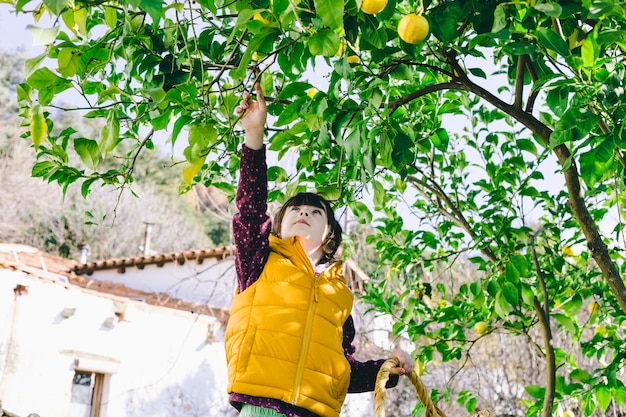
<point>333,239</point>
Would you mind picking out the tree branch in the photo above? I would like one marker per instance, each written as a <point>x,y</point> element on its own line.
<point>596,245</point>
<point>519,80</point>
<point>456,216</point>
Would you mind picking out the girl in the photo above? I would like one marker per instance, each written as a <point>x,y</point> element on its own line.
<point>289,337</point>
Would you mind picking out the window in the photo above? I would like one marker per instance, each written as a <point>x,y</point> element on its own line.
<point>86,394</point>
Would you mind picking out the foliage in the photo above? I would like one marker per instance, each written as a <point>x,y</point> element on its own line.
<point>502,134</point>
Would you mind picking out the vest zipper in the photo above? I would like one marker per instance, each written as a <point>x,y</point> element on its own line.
<point>306,339</point>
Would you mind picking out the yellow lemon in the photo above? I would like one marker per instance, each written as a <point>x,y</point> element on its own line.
<point>419,367</point>
<point>260,18</point>
<point>480,327</point>
<point>413,28</point>
<point>342,49</point>
<point>311,92</point>
<point>353,59</point>
<point>373,6</point>
<point>593,308</point>
<point>190,170</point>
<point>568,251</point>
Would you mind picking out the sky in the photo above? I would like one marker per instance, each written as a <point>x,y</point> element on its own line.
<point>13,32</point>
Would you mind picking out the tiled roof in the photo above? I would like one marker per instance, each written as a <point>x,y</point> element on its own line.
<point>120,264</point>
<point>64,271</point>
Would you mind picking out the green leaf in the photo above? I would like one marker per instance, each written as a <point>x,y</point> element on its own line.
<point>503,307</point>
<point>254,45</point>
<point>31,64</point>
<point>600,9</point>
<point>566,322</point>
<point>580,375</point>
<point>619,394</point>
<point>535,391</point>
<point>588,404</point>
<point>88,151</point>
<point>603,396</point>
<point>478,296</point>
<point>295,89</point>
<point>290,113</point>
<point>324,43</point>
<point>361,212</point>
<point>511,293</point>
<point>38,125</point>
<point>549,39</point>
<point>56,6</point>
<point>403,150</point>
<point>551,9</point>
<point>597,162</point>
<point>69,61</point>
<point>573,305</point>
<point>331,12</point>
<point>440,139</point>
<point>47,84</point>
<point>277,174</point>
<point>478,72</point>
<point>499,18</point>
<point>528,295</point>
<point>110,16</point>
<point>154,9</point>
<point>179,124</point>
<point>43,37</point>
<point>590,51</point>
<point>110,133</point>
<point>43,169</point>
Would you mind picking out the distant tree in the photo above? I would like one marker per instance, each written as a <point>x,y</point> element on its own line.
<point>112,224</point>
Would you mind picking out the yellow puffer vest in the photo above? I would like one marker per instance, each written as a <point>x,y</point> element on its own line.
<point>285,333</point>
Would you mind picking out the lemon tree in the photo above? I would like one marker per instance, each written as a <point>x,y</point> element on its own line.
<point>496,140</point>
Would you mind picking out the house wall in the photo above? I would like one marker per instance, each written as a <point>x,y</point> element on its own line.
<point>212,282</point>
<point>157,360</point>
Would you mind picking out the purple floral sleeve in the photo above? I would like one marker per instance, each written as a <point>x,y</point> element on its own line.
<point>251,225</point>
<point>363,374</point>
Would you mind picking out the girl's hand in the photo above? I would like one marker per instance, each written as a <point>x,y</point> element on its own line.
<point>407,364</point>
<point>253,117</point>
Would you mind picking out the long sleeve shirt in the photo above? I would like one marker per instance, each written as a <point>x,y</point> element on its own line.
<point>251,229</point>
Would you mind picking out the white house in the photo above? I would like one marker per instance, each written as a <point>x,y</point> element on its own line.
<point>74,346</point>
<point>129,337</point>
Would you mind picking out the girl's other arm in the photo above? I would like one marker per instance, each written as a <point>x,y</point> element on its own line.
<point>363,374</point>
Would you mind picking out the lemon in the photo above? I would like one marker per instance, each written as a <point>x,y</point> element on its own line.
<point>419,367</point>
<point>601,330</point>
<point>353,59</point>
<point>342,49</point>
<point>480,327</point>
<point>568,251</point>
<point>413,28</point>
<point>373,6</point>
<point>311,92</point>
<point>260,18</point>
<point>190,170</point>
<point>593,308</point>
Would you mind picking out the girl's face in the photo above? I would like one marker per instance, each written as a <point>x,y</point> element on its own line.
<point>308,223</point>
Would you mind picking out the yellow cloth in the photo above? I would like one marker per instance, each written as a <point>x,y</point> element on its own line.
<point>285,333</point>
